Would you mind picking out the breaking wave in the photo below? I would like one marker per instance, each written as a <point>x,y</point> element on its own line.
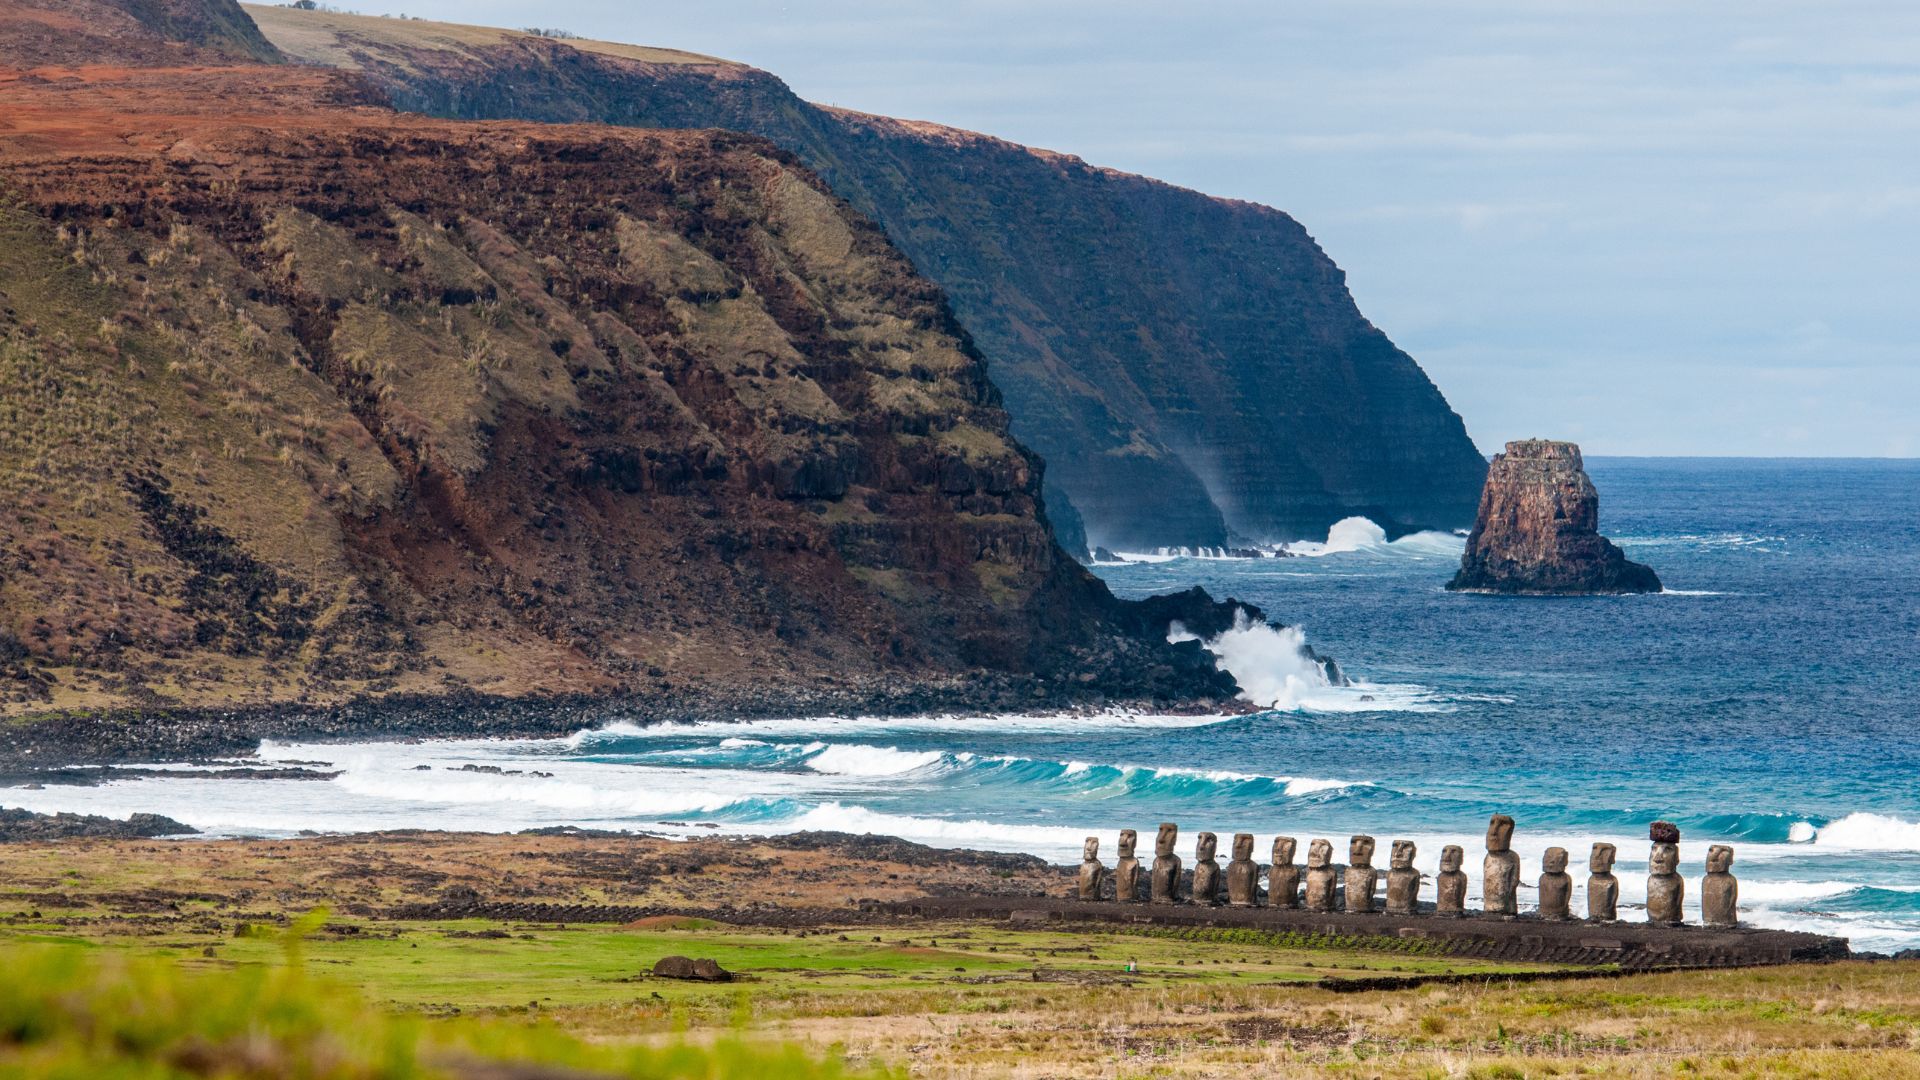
<point>1276,670</point>
<point>1359,534</point>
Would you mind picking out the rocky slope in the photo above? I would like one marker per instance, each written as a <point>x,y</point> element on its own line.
<point>1193,369</point>
<point>1538,529</point>
<point>301,400</point>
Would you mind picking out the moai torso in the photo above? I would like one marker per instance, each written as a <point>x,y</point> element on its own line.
<point>1283,877</point>
<point>1362,878</point>
<point>1166,866</point>
<point>1126,869</point>
<point>1556,886</point>
<point>1243,874</point>
<point>1666,890</point>
<point>1603,889</point>
<point>1206,870</point>
<point>1093,876</point>
<point>1719,892</point>
<point>1450,884</point>
<point>1403,881</point>
<point>1500,874</point>
<point>1320,876</point>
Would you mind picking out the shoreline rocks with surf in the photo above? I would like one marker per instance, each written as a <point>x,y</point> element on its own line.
<point>1538,531</point>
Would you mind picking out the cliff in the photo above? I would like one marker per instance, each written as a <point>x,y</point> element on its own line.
<point>305,401</point>
<point>1538,529</point>
<point>1192,369</point>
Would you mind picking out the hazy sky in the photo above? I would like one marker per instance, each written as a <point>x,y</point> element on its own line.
<point>1654,226</point>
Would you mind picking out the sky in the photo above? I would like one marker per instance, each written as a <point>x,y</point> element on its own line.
<point>1675,227</point>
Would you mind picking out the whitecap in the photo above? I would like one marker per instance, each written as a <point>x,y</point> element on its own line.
<point>1869,832</point>
<point>856,760</point>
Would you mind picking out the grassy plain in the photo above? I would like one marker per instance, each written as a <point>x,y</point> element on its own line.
<point>934,999</point>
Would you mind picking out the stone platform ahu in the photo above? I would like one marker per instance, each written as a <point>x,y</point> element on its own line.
<point>1353,888</point>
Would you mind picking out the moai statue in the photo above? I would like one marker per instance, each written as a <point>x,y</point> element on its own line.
<point>1166,866</point>
<point>1093,876</point>
<point>1283,877</point>
<point>1403,881</point>
<point>1206,870</point>
<point>1320,876</point>
<point>1719,891</point>
<point>1450,885</point>
<point>1500,874</point>
<point>1243,874</point>
<point>1666,890</point>
<point>1362,878</point>
<point>1126,869</point>
<point>1556,886</point>
<point>1603,889</point>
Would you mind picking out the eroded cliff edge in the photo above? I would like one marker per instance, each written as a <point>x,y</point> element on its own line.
<point>1538,530</point>
<point>1192,369</point>
<point>307,402</point>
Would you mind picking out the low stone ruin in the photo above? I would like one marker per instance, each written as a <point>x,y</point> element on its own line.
<point>1330,887</point>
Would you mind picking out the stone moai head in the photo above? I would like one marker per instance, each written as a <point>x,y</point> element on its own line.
<point>1206,846</point>
<point>1243,847</point>
<point>1360,851</point>
<point>1319,854</point>
<point>1090,851</point>
<point>1665,859</point>
<point>1283,850</point>
<point>1554,861</point>
<point>1403,855</point>
<point>1451,857</point>
<point>1719,859</point>
<point>1128,841</point>
<point>1499,833</point>
<point>1601,861</point>
<point>1169,835</point>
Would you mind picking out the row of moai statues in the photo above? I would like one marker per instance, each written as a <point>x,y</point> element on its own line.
<point>1239,884</point>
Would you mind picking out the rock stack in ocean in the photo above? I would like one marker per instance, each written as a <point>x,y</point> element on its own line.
<point>1539,529</point>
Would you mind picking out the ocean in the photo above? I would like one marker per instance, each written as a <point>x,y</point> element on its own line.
<point>1770,699</point>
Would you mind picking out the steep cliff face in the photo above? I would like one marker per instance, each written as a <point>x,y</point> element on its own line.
<point>303,400</point>
<point>1191,368</point>
<point>1538,529</point>
<point>35,33</point>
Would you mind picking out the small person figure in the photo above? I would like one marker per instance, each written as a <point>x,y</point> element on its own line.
<point>1320,876</point>
<point>1093,876</point>
<point>1403,881</point>
<point>1362,878</point>
<point>1450,885</point>
<point>1166,865</point>
<point>1243,874</point>
<point>1500,873</point>
<point>1556,886</point>
<point>1206,870</point>
<point>1666,889</point>
<point>1283,877</point>
<point>1603,889</point>
<point>1126,869</point>
<point>1719,890</point>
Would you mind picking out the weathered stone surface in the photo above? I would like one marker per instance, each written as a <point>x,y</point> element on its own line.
<point>1093,875</point>
<point>1500,872</point>
<point>1450,885</point>
<point>1206,870</point>
<point>1719,891</point>
<point>1283,877</point>
<point>1126,869</point>
<point>1362,878</point>
<point>1322,876</point>
<point>1243,874</point>
<point>1556,886</point>
<point>1538,529</point>
<point>1666,890</point>
<point>1603,889</point>
<point>680,967</point>
<point>1663,832</point>
<point>1403,881</point>
<point>1166,866</point>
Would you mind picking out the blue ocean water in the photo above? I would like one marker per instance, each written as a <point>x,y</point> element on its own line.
<point>1770,699</point>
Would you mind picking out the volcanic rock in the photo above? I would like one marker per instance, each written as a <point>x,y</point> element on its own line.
<point>680,967</point>
<point>1538,530</point>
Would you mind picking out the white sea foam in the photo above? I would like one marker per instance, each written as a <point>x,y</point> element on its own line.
<point>1869,832</point>
<point>843,726</point>
<point>1359,534</point>
<point>855,760</point>
<point>1274,671</point>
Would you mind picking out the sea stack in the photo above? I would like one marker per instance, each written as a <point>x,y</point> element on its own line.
<point>1539,530</point>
